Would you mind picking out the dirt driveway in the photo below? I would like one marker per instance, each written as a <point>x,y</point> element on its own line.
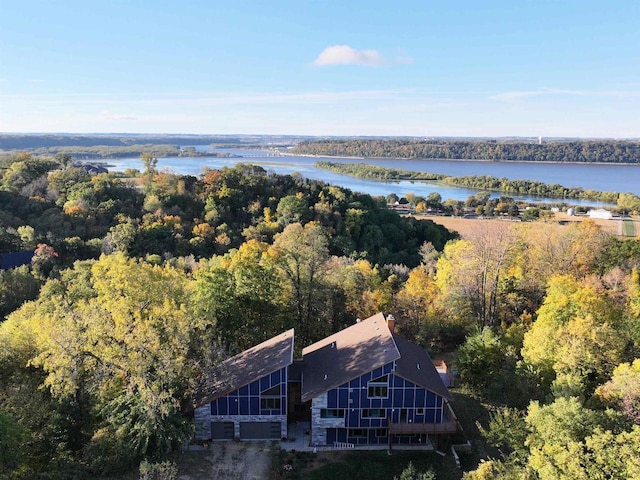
<point>229,461</point>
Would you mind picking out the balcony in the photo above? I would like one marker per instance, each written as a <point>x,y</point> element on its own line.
<point>416,428</point>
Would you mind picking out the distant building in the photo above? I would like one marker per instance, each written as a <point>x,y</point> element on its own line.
<point>600,213</point>
<point>94,169</point>
<point>15,259</point>
<point>571,211</point>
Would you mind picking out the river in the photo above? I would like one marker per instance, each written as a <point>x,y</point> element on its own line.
<point>615,178</point>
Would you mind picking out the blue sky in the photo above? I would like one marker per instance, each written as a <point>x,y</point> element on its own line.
<point>419,68</point>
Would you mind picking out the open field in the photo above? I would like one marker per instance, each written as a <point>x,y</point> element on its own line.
<point>465,226</point>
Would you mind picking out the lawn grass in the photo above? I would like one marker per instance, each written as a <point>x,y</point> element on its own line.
<point>629,228</point>
<point>380,465</point>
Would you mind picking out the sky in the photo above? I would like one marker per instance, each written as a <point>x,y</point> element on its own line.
<point>551,68</point>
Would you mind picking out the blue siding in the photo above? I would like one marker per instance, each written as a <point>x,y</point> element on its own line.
<point>246,400</point>
<point>371,437</point>
<point>402,404</point>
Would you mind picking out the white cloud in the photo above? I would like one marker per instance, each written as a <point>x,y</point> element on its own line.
<point>345,55</point>
<point>108,115</point>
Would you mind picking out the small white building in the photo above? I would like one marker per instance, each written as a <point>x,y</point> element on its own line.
<point>600,213</point>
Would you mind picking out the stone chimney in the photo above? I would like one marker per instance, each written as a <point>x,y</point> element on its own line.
<point>391,323</point>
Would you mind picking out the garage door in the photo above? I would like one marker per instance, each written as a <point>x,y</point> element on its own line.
<point>222,430</point>
<point>259,430</point>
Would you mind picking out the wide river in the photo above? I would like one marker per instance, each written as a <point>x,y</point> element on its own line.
<point>607,178</point>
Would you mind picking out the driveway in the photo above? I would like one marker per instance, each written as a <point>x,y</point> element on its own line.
<point>248,460</point>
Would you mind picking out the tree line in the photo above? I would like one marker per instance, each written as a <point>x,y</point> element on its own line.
<point>625,201</point>
<point>587,151</point>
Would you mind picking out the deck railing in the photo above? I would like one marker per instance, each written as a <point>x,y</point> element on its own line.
<point>343,445</point>
<point>413,428</point>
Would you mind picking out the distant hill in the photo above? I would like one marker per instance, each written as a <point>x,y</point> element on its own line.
<point>29,142</point>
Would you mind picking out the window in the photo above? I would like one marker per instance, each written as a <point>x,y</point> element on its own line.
<point>381,432</point>
<point>272,392</point>
<point>419,411</point>
<point>379,387</point>
<point>373,413</point>
<point>270,403</point>
<point>331,413</point>
<point>270,399</point>
<point>357,432</point>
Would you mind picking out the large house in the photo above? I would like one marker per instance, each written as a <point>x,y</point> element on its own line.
<point>246,396</point>
<point>364,385</point>
<point>368,386</point>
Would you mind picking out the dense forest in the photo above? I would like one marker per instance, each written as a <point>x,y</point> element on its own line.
<point>588,151</point>
<point>138,286</point>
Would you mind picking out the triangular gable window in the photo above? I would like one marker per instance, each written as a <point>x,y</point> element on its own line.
<point>378,387</point>
<point>272,392</point>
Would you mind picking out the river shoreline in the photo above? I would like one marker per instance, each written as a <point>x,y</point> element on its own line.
<point>542,162</point>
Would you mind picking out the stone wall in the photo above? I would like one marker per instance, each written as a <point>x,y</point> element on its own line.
<point>203,419</point>
<point>319,425</point>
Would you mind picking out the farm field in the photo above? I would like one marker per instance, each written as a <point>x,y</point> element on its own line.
<point>465,226</point>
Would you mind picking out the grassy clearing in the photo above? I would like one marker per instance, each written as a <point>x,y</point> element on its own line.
<point>467,226</point>
<point>380,465</point>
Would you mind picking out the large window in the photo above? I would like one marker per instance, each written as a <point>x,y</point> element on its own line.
<point>331,413</point>
<point>373,413</point>
<point>270,399</point>
<point>379,387</point>
<point>270,403</point>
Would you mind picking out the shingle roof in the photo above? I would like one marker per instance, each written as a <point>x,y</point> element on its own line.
<point>361,348</point>
<point>416,365</point>
<point>346,355</point>
<point>246,367</point>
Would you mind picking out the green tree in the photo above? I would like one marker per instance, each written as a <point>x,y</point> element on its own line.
<point>64,159</point>
<point>242,296</point>
<point>12,438</point>
<point>292,209</point>
<point>471,274</point>
<point>150,171</point>
<point>623,390</point>
<point>301,255</point>
<point>629,203</point>
<point>481,358</point>
<point>128,344</point>
<point>574,338</point>
<point>556,439</point>
<point>17,286</point>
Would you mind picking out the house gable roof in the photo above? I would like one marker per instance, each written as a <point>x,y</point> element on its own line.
<point>346,355</point>
<point>416,365</point>
<point>246,367</point>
